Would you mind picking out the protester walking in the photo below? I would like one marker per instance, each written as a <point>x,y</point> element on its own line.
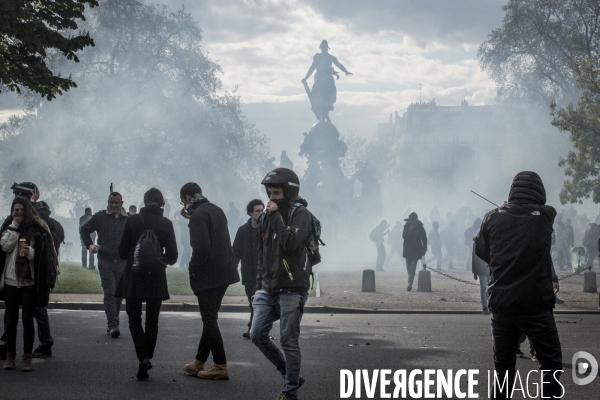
<point>144,279</point>
<point>283,280</point>
<point>377,236</point>
<point>29,268</point>
<point>520,292</point>
<point>212,269</point>
<point>245,249</point>
<point>85,252</point>
<point>109,225</point>
<point>415,245</point>
<point>435,242</point>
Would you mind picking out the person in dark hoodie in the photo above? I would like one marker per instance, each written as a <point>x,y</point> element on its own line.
<point>245,249</point>
<point>150,287</point>
<point>283,279</point>
<point>415,245</point>
<point>212,269</point>
<point>515,241</point>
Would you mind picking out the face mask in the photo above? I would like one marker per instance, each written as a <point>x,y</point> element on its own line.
<point>282,203</point>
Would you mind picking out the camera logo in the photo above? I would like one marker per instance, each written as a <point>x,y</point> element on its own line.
<point>582,363</point>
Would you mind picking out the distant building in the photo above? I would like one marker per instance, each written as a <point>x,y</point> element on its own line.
<point>434,143</point>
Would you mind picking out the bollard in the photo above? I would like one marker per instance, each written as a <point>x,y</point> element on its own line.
<point>589,282</point>
<point>424,283</point>
<point>368,280</point>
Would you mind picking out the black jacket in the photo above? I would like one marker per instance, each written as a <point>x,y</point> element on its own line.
<point>110,231</point>
<point>212,263</point>
<point>245,249</point>
<point>282,257</point>
<point>147,286</point>
<point>415,240</point>
<point>45,265</point>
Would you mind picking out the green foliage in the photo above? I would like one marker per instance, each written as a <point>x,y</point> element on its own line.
<point>29,31</point>
<point>582,165</point>
<point>529,56</point>
<point>149,110</point>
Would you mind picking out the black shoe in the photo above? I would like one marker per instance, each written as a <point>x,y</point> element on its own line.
<point>143,368</point>
<point>42,351</point>
<point>246,335</point>
<point>114,333</point>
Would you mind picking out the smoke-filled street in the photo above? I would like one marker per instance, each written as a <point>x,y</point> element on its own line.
<point>329,343</point>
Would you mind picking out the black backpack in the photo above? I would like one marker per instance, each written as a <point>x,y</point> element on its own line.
<point>148,254</point>
<point>314,238</point>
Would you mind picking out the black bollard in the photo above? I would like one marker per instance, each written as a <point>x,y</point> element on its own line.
<point>424,283</point>
<point>368,280</point>
<point>589,282</point>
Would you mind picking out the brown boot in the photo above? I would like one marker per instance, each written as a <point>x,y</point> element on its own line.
<point>217,371</point>
<point>194,367</point>
<point>26,362</point>
<point>10,360</point>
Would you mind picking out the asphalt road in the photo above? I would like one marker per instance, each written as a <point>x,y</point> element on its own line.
<point>87,364</point>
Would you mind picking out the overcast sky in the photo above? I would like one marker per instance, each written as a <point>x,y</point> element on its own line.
<point>266,47</point>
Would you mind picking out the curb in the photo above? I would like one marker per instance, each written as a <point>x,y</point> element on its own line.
<point>238,308</point>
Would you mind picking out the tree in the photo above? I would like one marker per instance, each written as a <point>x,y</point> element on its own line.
<point>582,166</point>
<point>149,111</point>
<point>30,31</point>
<point>529,56</point>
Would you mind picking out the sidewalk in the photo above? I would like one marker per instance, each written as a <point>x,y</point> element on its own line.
<point>340,291</point>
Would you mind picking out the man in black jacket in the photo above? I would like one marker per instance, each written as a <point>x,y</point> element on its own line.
<point>245,248</point>
<point>415,245</point>
<point>283,278</point>
<point>212,269</point>
<point>109,225</point>
<point>520,292</point>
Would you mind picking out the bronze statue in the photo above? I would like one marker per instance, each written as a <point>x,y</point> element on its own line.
<point>323,93</point>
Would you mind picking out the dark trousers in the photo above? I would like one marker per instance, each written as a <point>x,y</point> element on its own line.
<point>26,296</point>
<point>143,340</point>
<point>411,268</point>
<point>41,317</point>
<point>381,254</point>
<point>541,330</point>
<point>250,289</point>
<point>211,341</point>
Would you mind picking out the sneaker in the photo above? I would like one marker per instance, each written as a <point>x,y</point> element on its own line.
<point>246,335</point>
<point>26,362</point>
<point>143,368</point>
<point>114,333</point>
<point>534,358</point>
<point>194,367</point>
<point>42,351</point>
<point>217,371</point>
<point>10,361</point>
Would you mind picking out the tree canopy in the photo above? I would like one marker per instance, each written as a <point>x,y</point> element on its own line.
<point>149,110</point>
<point>582,166</point>
<point>30,31</point>
<point>529,56</point>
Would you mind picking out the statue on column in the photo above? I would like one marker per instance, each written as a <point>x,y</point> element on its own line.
<point>323,94</point>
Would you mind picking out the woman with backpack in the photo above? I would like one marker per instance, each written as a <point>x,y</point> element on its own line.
<point>148,244</point>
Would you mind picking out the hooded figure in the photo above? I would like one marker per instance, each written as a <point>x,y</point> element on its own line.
<point>415,245</point>
<point>515,241</point>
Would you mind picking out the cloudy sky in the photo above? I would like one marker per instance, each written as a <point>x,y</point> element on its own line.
<point>265,48</point>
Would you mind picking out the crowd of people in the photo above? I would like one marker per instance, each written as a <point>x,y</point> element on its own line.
<point>133,250</point>
<point>277,248</point>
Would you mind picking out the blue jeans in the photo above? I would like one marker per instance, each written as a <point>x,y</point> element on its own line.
<point>483,285</point>
<point>288,308</point>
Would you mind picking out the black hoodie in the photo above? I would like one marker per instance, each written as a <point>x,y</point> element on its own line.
<point>515,240</point>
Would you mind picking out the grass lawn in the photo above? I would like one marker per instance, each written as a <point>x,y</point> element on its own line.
<point>74,278</point>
